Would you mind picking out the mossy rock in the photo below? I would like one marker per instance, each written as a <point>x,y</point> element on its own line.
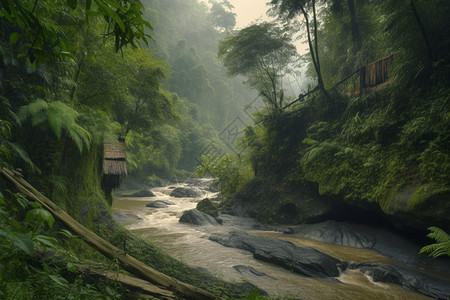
<point>208,207</point>
<point>271,202</point>
<point>419,206</point>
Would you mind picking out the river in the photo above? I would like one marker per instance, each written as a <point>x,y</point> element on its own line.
<point>190,244</point>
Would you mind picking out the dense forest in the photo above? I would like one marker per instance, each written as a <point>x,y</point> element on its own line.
<point>372,137</point>
<point>366,140</point>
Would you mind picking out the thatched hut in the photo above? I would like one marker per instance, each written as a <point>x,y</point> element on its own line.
<point>114,164</point>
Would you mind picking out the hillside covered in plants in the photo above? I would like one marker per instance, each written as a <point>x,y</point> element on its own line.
<point>370,140</point>
<point>75,74</point>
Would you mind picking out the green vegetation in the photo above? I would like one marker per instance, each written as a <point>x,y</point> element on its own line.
<point>442,245</point>
<point>37,261</point>
<point>375,149</point>
<point>76,73</point>
<point>230,172</point>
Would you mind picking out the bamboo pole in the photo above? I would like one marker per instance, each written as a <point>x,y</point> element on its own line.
<point>133,283</point>
<point>128,262</point>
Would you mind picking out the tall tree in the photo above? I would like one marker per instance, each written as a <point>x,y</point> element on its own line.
<point>263,53</point>
<point>288,9</point>
<point>221,15</point>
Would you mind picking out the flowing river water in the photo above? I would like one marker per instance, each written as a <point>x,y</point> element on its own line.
<point>190,244</point>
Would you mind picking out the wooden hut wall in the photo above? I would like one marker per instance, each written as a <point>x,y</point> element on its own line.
<point>376,72</point>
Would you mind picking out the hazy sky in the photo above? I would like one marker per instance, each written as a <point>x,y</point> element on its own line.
<point>248,11</point>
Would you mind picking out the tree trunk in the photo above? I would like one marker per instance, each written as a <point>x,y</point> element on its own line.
<point>356,37</point>
<point>422,30</point>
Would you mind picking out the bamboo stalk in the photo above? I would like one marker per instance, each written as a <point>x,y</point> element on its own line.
<point>128,262</point>
<point>133,283</point>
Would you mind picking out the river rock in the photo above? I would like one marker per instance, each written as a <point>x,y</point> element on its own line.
<point>390,243</point>
<point>294,205</point>
<point>143,193</point>
<point>159,204</point>
<point>305,261</point>
<point>208,207</point>
<point>409,279</point>
<point>196,217</point>
<point>126,219</point>
<point>186,192</point>
<point>252,272</point>
<point>338,233</point>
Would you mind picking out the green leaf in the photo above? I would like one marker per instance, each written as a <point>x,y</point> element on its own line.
<point>14,37</point>
<point>40,216</point>
<point>24,243</point>
<point>46,241</point>
<point>88,4</point>
<point>110,13</point>
<point>59,280</point>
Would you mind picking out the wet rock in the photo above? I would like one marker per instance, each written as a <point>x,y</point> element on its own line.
<point>411,280</point>
<point>294,205</point>
<point>208,207</point>
<point>186,192</point>
<point>196,217</point>
<point>391,244</point>
<point>246,270</point>
<point>305,261</point>
<point>159,204</point>
<point>126,218</point>
<point>338,233</point>
<point>143,193</point>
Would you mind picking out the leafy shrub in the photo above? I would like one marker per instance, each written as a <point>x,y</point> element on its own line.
<point>231,173</point>
<point>35,265</point>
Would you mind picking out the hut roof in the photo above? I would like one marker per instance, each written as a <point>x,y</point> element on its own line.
<point>115,158</point>
<point>114,167</point>
<point>114,150</point>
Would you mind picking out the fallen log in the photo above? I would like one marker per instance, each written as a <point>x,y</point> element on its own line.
<point>128,262</point>
<point>143,287</point>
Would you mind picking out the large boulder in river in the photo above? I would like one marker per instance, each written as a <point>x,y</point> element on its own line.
<point>186,192</point>
<point>388,242</point>
<point>196,217</point>
<point>294,205</point>
<point>208,207</point>
<point>305,261</point>
<point>143,193</point>
<point>411,280</point>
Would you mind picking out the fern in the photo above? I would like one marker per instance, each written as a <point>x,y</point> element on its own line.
<point>57,116</point>
<point>442,247</point>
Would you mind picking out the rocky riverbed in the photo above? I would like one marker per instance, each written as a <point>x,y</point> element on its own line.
<point>323,260</point>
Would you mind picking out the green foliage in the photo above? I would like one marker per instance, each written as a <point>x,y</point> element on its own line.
<point>33,263</point>
<point>442,245</point>
<point>8,149</point>
<point>221,15</point>
<point>263,53</point>
<point>56,116</point>
<point>231,172</point>
<point>43,38</point>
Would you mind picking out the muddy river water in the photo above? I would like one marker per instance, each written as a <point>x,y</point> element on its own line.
<point>190,244</point>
